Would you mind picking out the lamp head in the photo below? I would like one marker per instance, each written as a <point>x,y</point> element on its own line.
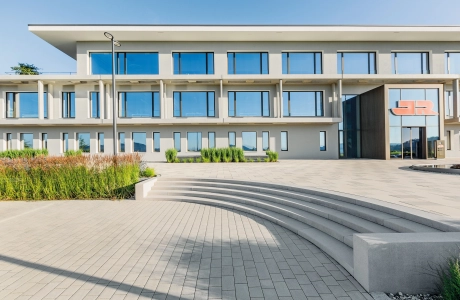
<point>108,35</point>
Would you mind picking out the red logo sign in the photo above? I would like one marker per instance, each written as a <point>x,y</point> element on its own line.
<point>414,108</point>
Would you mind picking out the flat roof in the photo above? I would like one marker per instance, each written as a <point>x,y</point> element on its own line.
<point>65,36</point>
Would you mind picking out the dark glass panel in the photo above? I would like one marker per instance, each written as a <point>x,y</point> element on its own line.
<point>156,142</point>
<point>121,141</point>
<point>284,141</point>
<point>94,96</point>
<point>177,141</point>
<point>265,140</point>
<point>231,104</point>
<point>141,63</point>
<point>139,142</point>
<point>194,141</point>
<point>28,105</point>
<point>27,141</point>
<point>101,63</point>
<point>322,140</point>
<point>83,142</point>
<point>211,104</point>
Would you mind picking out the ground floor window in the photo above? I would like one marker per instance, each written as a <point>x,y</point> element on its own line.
<point>83,142</point>
<point>121,142</point>
<point>9,142</point>
<point>44,140</point>
<point>100,142</point>
<point>232,139</point>
<point>139,142</point>
<point>350,128</point>
<point>65,142</point>
<point>249,141</point>
<point>448,141</point>
<point>284,141</point>
<point>176,138</point>
<point>193,141</point>
<point>322,140</point>
<point>265,140</point>
<point>27,140</point>
<point>211,140</point>
<point>156,142</point>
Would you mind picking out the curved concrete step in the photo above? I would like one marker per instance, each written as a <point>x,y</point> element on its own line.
<point>338,250</point>
<point>361,219</point>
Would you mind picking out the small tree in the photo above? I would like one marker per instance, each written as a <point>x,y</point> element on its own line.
<point>25,69</point>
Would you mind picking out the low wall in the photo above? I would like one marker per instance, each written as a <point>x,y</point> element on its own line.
<point>143,187</point>
<point>402,262</point>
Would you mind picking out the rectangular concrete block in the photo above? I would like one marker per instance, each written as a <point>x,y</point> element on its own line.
<point>141,189</point>
<point>402,262</point>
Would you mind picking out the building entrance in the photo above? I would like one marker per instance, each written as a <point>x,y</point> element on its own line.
<point>414,143</point>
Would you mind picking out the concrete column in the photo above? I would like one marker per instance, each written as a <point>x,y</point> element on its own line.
<point>220,99</point>
<point>280,102</point>
<point>162,101</point>
<point>334,101</point>
<point>101,99</point>
<point>108,99</point>
<point>276,105</point>
<point>339,98</point>
<point>51,101</point>
<point>165,102</point>
<point>455,97</point>
<point>40,100</point>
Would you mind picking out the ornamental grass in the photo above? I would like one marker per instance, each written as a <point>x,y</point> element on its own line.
<point>71,177</point>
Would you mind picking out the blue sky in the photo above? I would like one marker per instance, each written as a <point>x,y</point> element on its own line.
<point>19,45</point>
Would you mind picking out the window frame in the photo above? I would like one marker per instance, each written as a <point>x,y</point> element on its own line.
<point>288,63</point>
<point>316,104</point>
<point>65,142</point>
<point>21,140</point>
<point>44,140</point>
<point>394,61</point>
<point>448,140</point>
<point>200,144</point>
<point>68,114</point>
<point>248,52</point>
<point>287,140</point>
<point>78,139</point>
<point>16,105</point>
<point>122,101</point>
<point>180,141</point>
<point>209,139</point>
<point>120,134</point>
<point>9,141</point>
<point>261,106</point>
<point>268,140</point>
<point>229,144</point>
<point>99,139</point>
<point>132,139</point>
<point>242,141</point>
<point>117,58</point>
<point>325,140</point>
<point>447,54</point>
<point>192,52</point>
<point>368,52</point>
<point>98,105</point>
<point>207,104</point>
<point>154,141</point>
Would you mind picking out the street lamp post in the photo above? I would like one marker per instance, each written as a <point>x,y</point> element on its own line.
<point>114,95</point>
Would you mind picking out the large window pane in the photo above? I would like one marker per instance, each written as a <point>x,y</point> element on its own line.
<point>126,63</point>
<point>141,63</point>
<point>156,142</point>
<point>68,105</point>
<point>194,141</point>
<point>65,142</point>
<point>194,104</point>
<point>410,63</point>
<point>356,63</point>
<point>100,142</point>
<point>193,63</point>
<point>232,139</point>
<point>249,141</point>
<point>302,104</point>
<point>301,63</point>
<point>94,99</point>
<point>101,63</point>
<point>9,142</point>
<point>121,142</point>
<point>211,140</point>
<point>284,141</point>
<point>139,142</point>
<point>248,63</point>
<point>176,138</point>
<point>139,104</point>
<point>453,60</point>
<point>83,142</point>
<point>265,140</point>
<point>27,140</point>
<point>322,141</point>
<point>44,140</point>
<point>28,105</point>
<point>249,104</point>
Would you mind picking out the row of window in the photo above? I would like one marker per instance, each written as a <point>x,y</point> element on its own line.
<point>185,104</point>
<point>257,63</point>
<point>139,141</point>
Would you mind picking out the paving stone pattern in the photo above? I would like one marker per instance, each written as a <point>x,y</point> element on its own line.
<point>158,250</point>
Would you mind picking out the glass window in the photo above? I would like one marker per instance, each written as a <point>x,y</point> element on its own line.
<point>302,63</point>
<point>27,141</point>
<point>193,63</point>
<point>139,104</point>
<point>449,104</point>
<point>453,63</point>
<point>284,141</point>
<point>25,105</point>
<point>232,139</point>
<point>410,63</point>
<point>65,142</point>
<point>126,63</point>
<point>265,140</point>
<point>448,140</point>
<point>303,104</point>
<point>194,141</point>
<point>68,105</point>
<point>83,142</point>
<point>11,105</point>
<point>139,142</point>
<point>194,104</point>
<point>249,141</point>
<point>247,62</point>
<point>356,63</point>
<point>121,142</point>
<point>322,140</point>
<point>211,140</point>
<point>44,140</point>
<point>100,140</point>
<point>176,138</point>
<point>156,142</point>
<point>349,129</point>
<point>94,104</point>
<point>9,142</point>
<point>248,104</point>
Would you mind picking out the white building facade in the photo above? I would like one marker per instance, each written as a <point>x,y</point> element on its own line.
<point>307,92</point>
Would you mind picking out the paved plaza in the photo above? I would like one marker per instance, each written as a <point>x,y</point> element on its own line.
<point>391,181</point>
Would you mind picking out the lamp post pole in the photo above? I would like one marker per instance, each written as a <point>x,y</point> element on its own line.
<point>114,95</point>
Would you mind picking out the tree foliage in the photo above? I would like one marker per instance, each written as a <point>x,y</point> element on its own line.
<point>25,69</point>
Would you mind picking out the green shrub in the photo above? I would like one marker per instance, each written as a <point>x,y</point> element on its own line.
<point>147,172</point>
<point>259,159</point>
<point>450,280</point>
<point>272,156</point>
<point>206,154</point>
<point>25,153</point>
<point>183,160</point>
<point>177,160</point>
<point>171,155</point>
<point>251,160</point>
<point>71,177</point>
<point>190,160</point>
<point>198,159</point>
<point>266,159</point>
<point>216,155</point>
<point>73,153</point>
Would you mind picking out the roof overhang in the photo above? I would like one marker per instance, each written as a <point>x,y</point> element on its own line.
<point>65,37</point>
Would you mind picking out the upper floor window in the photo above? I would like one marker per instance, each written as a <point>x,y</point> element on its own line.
<point>410,63</point>
<point>25,105</point>
<point>94,104</point>
<point>139,104</point>
<point>125,63</point>
<point>356,63</point>
<point>248,104</point>
<point>194,104</point>
<point>453,63</point>
<point>68,105</point>
<point>247,62</point>
<point>193,63</point>
<point>303,104</point>
<point>302,63</point>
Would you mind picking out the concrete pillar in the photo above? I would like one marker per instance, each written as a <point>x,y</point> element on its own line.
<point>51,101</point>
<point>108,99</point>
<point>339,98</point>
<point>280,102</point>
<point>456,103</point>
<point>276,105</point>
<point>162,101</point>
<point>220,99</point>
<point>334,101</point>
<point>165,102</point>
<point>40,100</point>
<point>101,99</point>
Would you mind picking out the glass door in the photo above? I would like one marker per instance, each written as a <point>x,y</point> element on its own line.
<point>413,143</point>
<point>406,143</point>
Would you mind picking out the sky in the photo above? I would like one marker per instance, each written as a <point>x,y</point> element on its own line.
<point>19,45</point>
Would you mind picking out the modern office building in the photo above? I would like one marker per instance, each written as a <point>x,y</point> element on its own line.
<point>308,92</point>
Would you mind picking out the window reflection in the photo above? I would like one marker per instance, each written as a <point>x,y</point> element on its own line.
<point>156,142</point>
<point>247,62</point>
<point>356,63</point>
<point>350,128</point>
<point>194,104</point>
<point>194,141</point>
<point>265,140</point>
<point>410,63</point>
<point>232,139</point>
<point>302,104</point>
<point>249,141</point>
<point>211,140</point>
<point>83,142</point>
<point>25,105</point>
<point>176,138</point>
<point>453,63</point>
<point>65,142</point>
<point>139,142</point>
<point>121,141</point>
<point>193,63</point>
<point>322,141</point>
<point>139,104</point>
<point>126,63</point>
<point>94,103</point>
<point>68,105</point>
<point>284,141</point>
<point>302,63</point>
<point>27,140</point>
<point>100,138</point>
<point>248,104</point>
